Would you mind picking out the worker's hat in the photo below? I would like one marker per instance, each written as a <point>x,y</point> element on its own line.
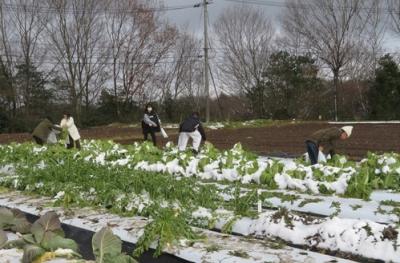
<point>347,130</point>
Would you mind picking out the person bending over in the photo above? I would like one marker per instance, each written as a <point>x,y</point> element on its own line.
<point>42,131</point>
<point>191,128</point>
<point>325,140</point>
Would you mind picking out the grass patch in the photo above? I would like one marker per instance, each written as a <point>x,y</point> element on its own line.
<point>389,203</point>
<point>337,207</point>
<point>355,207</point>
<point>239,253</point>
<point>309,201</point>
<point>3,190</point>
<point>213,248</point>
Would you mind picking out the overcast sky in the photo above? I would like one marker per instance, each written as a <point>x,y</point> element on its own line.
<point>192,17</point>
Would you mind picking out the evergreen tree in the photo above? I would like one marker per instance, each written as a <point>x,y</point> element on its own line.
<point>292,83</point>
<point>384,94</point>
<point>31,85</point>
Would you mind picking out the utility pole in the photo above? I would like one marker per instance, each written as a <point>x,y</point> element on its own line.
<point>206,67</point>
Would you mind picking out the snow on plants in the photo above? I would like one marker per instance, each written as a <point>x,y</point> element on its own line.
<point>338,176</point>
<point>359,237</point>
<point>141,179</point>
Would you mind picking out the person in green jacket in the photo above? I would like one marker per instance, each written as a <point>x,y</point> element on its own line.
<point>325,140</point>
<point>42,131</point>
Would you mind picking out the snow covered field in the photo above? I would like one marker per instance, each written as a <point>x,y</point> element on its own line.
<point>215,247</point>
<point>341,206</point>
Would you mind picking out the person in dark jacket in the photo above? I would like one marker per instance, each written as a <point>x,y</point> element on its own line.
<point>150,124</point>
<point>41,133</point>
<point>191,128</point>
<point>325,140</point>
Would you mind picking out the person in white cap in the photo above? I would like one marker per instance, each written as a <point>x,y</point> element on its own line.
<point>324,140</point>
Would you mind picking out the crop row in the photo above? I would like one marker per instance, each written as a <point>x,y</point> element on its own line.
<point>108,175</point>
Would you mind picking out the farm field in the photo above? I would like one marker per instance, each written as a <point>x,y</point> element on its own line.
<point>244,163</point>
<point>209,206</point>
<point>270,138</point>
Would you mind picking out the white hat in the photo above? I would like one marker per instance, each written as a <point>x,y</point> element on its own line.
<point>347,130</point>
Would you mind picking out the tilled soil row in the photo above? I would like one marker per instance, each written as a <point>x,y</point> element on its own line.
<point>283,140</point>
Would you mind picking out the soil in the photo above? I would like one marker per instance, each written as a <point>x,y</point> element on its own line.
<point>286,140</point>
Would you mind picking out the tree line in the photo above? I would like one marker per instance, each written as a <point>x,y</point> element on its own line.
<point>103,60</point>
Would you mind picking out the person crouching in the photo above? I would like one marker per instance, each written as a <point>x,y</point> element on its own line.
<point>191,128</point>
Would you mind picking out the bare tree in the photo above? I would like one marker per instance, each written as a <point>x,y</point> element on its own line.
<point>29,24</point>
<point>245,36</point>
<point>181,80</point>
<point>331,30</point>
<point>364,58</point>
<point>7,62</point>
<point>22,24</point>
<point>86,45</point>
<point>139,40</point>
<point>118,35</point>
<point>146,47</point>
<point>177,75</point>
<point>194,87</point>
<point>393,7</point>
<point>76,35</point>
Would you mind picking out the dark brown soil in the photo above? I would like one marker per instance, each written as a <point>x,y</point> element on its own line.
<point>289,139</point>
<point>282,140</point>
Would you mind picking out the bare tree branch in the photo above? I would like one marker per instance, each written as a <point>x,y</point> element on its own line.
<point>331,30</point>
<point>245,35</point>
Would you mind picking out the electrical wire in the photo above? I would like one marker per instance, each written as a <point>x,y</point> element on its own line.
<point>62,61</point>
<point>49,9</point>
<point>302,6</point>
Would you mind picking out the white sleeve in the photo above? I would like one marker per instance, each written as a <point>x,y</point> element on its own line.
<point>63,123</point>
<point>70,122</point>
<point>147,120</point>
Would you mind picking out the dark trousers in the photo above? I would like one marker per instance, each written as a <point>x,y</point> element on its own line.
<point>72,142</point>
<point>152,134</point>
<point>312,150</point>
<point>38,140</point>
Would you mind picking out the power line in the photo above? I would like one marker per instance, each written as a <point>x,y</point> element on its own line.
<point>49,9</point>
<point>219,53</point>
<point>46,44</point>
<point>57,62</point>
<point>300,6</point>
<point>97,56</point>
<point>217,50</point>
<point>255,2</point>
